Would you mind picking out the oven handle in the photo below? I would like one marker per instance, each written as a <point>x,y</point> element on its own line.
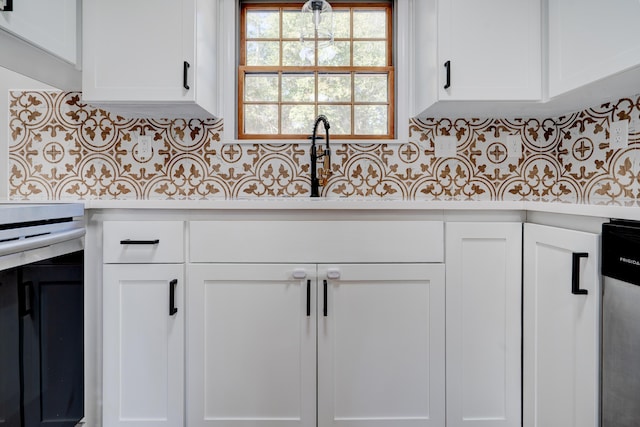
<point>21,245</point>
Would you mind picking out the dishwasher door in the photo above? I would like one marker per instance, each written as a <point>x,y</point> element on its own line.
<point>621,324</point>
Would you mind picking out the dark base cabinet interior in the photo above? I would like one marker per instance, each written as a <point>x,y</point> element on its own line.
<point>41,343</point>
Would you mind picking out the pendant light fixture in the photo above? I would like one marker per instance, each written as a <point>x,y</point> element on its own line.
<point>316,24</point>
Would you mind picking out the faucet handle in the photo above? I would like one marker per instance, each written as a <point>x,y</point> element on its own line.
<point>325,171</point>
<point>324,175</point>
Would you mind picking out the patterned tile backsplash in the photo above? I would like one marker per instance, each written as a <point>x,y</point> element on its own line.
<point>62,149</point>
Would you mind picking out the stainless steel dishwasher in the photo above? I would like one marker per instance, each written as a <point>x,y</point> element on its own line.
<point>621,324</point>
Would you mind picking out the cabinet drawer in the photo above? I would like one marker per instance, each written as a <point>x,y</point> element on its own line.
<point>316,241</point>
<point>143,241</point>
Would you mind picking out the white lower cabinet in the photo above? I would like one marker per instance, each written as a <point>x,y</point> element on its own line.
<point>143,324</point>
<point>561,328</point>
<point>483,324</point>
<point>304,345</point>
<point>143,345</point>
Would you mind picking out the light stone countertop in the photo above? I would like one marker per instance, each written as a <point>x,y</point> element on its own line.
<point>289,204</point>
<point>353,204</point>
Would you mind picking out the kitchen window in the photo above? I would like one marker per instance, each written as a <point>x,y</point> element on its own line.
<point>283,83</point>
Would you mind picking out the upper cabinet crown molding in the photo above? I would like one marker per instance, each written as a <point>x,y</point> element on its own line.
<point>151,57</point>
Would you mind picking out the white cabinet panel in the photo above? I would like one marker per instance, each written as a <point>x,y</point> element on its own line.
<point>381,346</point>
<point>494,49</point>
<point>481,50</point>
<point>251,346</point>
<point>561,330</point>
<point>333,241</point>
<point>151,57</point>
<point>143,345</point>
<point>590,40</point>
<point>483,262</point>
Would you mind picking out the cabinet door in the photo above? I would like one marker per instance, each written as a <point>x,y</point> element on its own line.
<point>561,330</point>
<point>134,50</point>
<point>49,25</point>
<point>484,305</point>
<point>53,342</point>
<point>381,345</point>
<point>143,345</point>
<point>493,47</point>
<point>251,345</point>
<point>573,41</point>
<point>9,350</point>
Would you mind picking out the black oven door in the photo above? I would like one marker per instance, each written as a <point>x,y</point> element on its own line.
<point>41,336</point>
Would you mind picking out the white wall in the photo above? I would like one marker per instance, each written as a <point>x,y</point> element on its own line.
<point>10,80</point>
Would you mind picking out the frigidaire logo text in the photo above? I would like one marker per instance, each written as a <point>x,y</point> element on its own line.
<point>629,261</point>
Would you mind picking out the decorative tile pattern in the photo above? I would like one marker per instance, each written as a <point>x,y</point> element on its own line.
<point>61,148</point>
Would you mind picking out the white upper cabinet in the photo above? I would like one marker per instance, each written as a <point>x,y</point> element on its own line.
<point>476,50</point>
<point>590,40</point>
<point>151,57</point>
<point>51,25</point>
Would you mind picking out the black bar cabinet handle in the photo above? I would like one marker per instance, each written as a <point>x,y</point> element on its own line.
<point>324,309</point>
<point>308,298</point>
<point>185,69</point>
<point>575,273</point>
<point>447,65</point>
<point>8,6</point>
<point>139,242</point>
<point>172,297</point>
<point>27,303</point>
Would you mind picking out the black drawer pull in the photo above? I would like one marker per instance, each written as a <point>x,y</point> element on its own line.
<point>185,81</point>
<point>308,298</point>
<point>447,65</point>
<point>139,242</point>
<point>324,310</point>
<point>172,297</point>
<point>575,273</point>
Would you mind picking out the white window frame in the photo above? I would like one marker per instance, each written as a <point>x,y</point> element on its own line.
<point>228,50</point>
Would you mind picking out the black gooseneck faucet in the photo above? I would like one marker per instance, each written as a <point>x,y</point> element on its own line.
<point>326,171</point>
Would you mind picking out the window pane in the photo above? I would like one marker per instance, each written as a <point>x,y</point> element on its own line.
<point>297,119</point>
<point>263,24</point>
<point>296,54</point>
<point>335,55</point>
<point>334,88</point>
<point>370,88</point>
<point>370,119</point>
<point>339,117</point>
<point>370,54</point>
<point>341,24</point>
<point>260,87</point>
<point>263,53</point>
<point>261,119</point>
<point>298,88</point>
<point>369,24</point>
<point>292,24</point>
